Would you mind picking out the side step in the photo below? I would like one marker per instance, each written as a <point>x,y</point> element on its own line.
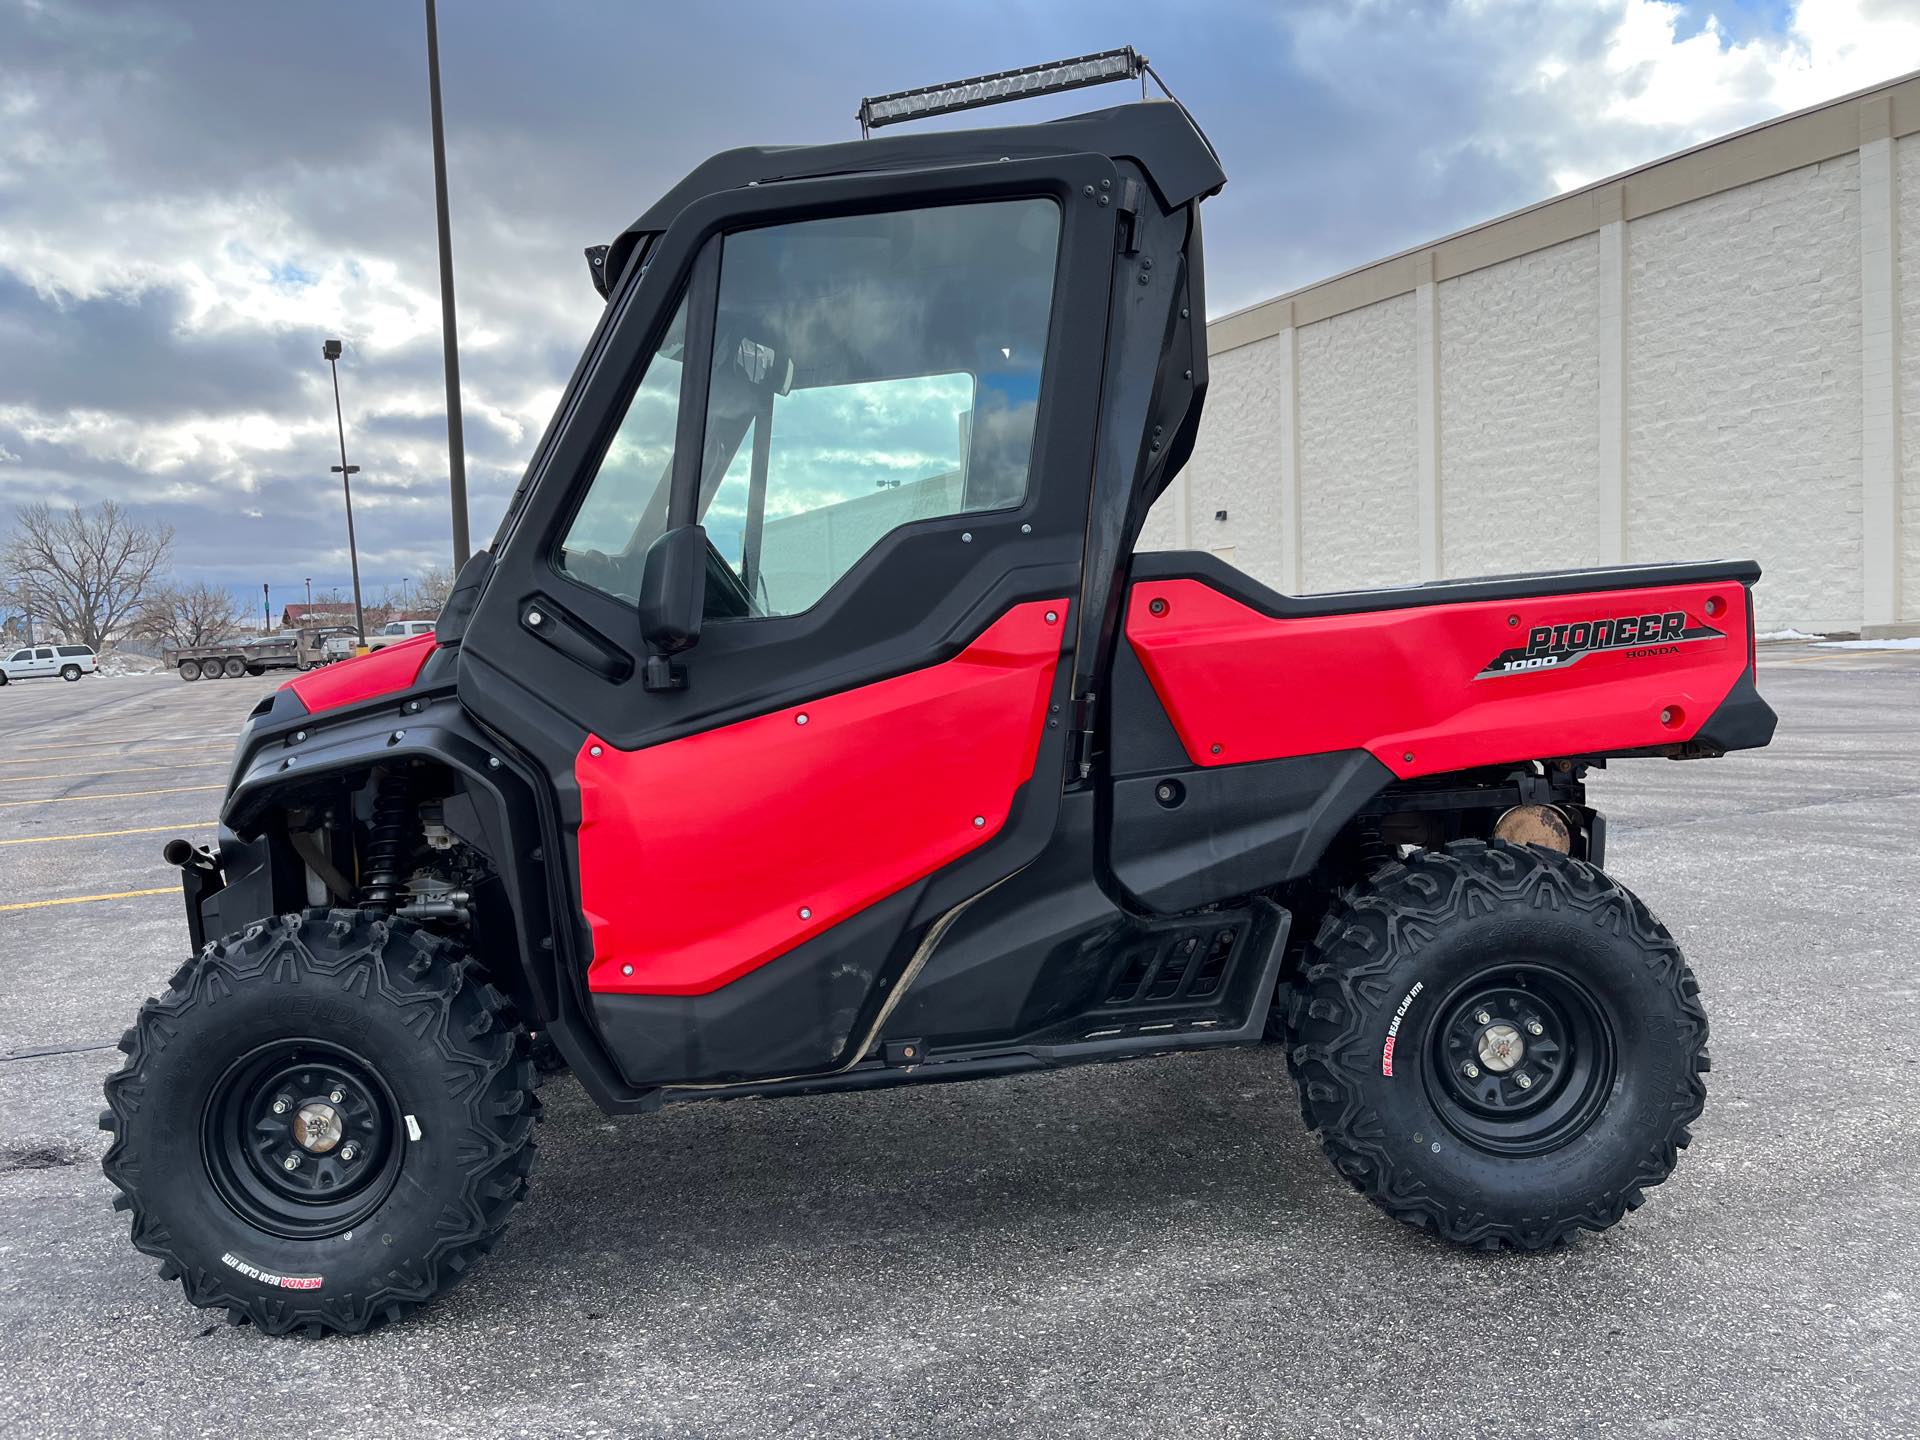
<point>1182,1000</point>
<point>1193,991</point>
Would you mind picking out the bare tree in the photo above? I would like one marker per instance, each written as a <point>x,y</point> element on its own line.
<point>83,573</point>
<point>180,616</point>
<point>430,591</point>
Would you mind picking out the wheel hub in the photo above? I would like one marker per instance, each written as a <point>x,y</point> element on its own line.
<point>1501,1048</point>
<point>318,1127</point>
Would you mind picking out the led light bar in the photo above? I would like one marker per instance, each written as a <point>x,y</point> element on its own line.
<point>1049,79</point>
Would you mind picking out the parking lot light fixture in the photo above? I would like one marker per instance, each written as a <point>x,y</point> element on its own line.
<point>330,352</point>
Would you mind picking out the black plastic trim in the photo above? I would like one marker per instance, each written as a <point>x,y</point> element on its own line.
<point>1233,829</point>
<point>1742,721</point>
<point>1154,565</point>
<point>1250,1002</point>
<point>1159,137</point>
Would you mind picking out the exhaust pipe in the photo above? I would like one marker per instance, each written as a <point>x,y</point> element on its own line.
<point>188,856</point>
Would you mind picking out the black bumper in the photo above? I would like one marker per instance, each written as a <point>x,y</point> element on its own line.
<point>1742,721</point>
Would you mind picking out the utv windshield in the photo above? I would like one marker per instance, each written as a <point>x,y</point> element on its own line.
<point>868,372</point>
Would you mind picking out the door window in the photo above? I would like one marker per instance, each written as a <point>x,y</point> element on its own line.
<point>625,509</point>
<point>18,656</point>
<point>868,372</point>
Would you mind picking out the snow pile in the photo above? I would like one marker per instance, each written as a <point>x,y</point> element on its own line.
<point>121,662</point>
<point>1911,643</point>
<point>1787,634</point>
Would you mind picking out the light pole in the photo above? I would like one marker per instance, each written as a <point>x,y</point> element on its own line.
<point>449,335</point>
<point>309,597</point>
<point>330,351</point>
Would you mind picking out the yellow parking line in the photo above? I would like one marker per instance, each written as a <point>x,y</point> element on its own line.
<point>89,899</point>
<point>131,770</point>
<point>111,749</point>
<point>108,834</point>
<point>109,795</point>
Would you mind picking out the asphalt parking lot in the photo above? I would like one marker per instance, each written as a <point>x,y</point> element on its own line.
<point>1145,1249</point>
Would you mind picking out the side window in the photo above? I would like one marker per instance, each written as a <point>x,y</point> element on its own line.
<point>868,371</point>
<point>18,656</point>
<point>45,652</point>
<point>625,508</point>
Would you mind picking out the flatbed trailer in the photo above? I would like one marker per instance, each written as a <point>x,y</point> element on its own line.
<point>293,650</point>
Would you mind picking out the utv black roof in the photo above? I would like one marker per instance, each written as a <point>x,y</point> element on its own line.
<point>1157,135</point>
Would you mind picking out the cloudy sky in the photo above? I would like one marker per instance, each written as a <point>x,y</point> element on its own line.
<point>193,194</point>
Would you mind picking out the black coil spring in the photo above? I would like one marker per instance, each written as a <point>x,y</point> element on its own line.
<point>389,839</point>
<point>1375,852</point>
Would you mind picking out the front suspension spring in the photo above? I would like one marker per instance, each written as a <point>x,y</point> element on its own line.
<point>389,841</point>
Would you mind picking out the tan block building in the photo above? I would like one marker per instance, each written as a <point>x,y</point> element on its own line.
<point>1715,355</point>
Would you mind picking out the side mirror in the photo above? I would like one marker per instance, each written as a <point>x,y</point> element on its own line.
<point>673,595</point>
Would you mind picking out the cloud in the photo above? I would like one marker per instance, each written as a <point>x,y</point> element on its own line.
<point>193,195</point>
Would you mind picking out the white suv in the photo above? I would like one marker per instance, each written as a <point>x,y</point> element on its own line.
<point>69,662</point>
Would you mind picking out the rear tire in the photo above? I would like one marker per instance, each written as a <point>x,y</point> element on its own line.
<point>189,670</point>
<point>1497,1043</point>
<point>69,673</point>
<point>235,667</point>
<point>385,1037</point>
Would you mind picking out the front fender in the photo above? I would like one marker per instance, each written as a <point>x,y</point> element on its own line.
<point>289,760</point>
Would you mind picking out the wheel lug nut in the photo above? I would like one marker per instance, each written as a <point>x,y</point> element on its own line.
<point>1470,1070</point>
<point>1534,1027</point>
<point>347,1152</point>
<point>292,1162</point>
<point>279,1107</point>
<point>1481,1017</point>
<point>336,1096</point>
<point>1525,1082</point>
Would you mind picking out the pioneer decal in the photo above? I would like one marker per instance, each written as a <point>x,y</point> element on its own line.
<point>1643,637</point>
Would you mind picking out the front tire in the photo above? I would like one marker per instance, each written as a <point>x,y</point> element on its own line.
<point>189,670</point>
<point>322,1123</point>
<point>1497,1043</point>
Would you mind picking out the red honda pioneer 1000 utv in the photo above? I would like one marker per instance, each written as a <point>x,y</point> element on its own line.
<point>812,725</point>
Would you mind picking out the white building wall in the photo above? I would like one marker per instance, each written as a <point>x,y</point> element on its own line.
<point>1359,449</point>
<point>1743,389</point>
<point>1715,356</point>
<point>1519,390</point>
<point>1236,462</point>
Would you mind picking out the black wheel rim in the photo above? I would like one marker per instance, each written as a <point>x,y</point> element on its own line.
<point>302,1138</point>
<point>1520,1059</point>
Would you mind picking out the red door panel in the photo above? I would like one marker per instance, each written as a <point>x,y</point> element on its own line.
<point>1427,689</point>
<point>705,857</point>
